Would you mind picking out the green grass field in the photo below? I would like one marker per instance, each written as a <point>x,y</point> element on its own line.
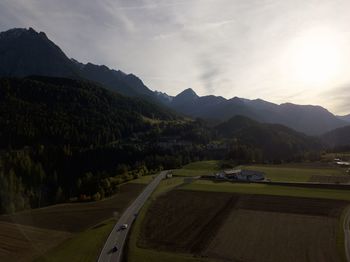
<point>198,168</point>
<point>84,246</point>
<point>288,173</point>
<point>296,173</point>
<point>205,185</point>
<point>143,180</point>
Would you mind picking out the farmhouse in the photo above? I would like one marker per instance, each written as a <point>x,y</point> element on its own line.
<point>343,163</point>
<point>241,175</point>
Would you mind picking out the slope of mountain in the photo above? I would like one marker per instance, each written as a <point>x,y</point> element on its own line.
<point>275,141</point>
<point>45,110</point>
<point>26,52</point>
<point>338,138</point>
<point>163,97</point>
<point>345,118</point>
<point>125,84</point>
<point>312,120</point>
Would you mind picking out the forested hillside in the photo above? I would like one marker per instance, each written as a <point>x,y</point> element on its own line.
<point>266,142</point>
<point>63,138</point>
<point>338,138</point>
<point>57,111</point>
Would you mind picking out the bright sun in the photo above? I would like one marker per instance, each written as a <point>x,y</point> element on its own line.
<point>315,57</point>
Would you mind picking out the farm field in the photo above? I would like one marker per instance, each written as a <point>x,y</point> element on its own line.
<point>330,179</point>
<point>199,168</point>
<point>142,180</point>
<point>135,252</point>
<point>37,231</point>
<point>226,227</point>
<point>294,172</point>
<point>313,172</point>
<point>30,241</point>
<point>190,232</point>
<point>275,237</point>
<point>264,189</point>
<point>84,246</point>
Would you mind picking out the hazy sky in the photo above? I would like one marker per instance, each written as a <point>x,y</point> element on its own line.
<point>278,50</point>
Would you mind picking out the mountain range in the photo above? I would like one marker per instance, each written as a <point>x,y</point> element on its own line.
<point>311,120</point>
<point>25,52</point>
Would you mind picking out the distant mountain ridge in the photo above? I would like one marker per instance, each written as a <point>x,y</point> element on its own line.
<point>25,52</point>
<point>345,118</point>
<point>312,120</point>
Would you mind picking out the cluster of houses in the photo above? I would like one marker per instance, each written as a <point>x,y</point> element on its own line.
<point>240,175</point>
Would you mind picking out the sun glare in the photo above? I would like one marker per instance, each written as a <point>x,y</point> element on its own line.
<point>315,58</point>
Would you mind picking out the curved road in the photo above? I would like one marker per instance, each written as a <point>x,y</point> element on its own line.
<point>347,234</point>
<point>117,237</point>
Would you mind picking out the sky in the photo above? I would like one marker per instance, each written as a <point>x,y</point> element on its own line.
<point>282,51</point>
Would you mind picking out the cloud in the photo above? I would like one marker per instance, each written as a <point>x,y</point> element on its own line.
<point>338,99</point>
<point>222,47</point>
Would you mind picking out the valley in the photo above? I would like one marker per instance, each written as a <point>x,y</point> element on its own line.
<point>221,221</point>
<point>95,165</point>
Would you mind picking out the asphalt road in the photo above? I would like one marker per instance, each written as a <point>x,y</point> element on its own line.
<point>117,237</point>
<point>347,234</point>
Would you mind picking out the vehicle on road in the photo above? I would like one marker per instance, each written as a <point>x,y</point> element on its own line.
<point>124,226</point>
<point>115,249</point>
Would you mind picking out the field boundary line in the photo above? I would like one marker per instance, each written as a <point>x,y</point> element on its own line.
<point>346,227</point>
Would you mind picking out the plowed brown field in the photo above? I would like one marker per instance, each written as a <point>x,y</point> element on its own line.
<point>234,227</point>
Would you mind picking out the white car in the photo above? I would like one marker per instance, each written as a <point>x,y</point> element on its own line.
<point>124,226</point>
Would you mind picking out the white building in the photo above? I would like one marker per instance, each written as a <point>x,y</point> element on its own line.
<point>343,163</point>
